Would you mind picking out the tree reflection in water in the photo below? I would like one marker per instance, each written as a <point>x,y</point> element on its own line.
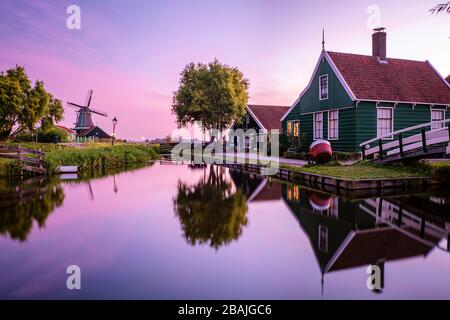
<point>211,212</point>
<point>31,201</point>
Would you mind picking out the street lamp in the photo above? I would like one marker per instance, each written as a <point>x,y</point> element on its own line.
<point>114,129</point>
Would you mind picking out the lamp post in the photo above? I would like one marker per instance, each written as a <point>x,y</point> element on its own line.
<point>114,129</point>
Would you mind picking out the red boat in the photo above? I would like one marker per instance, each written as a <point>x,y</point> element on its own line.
<point>320,202</point>
<point>320,151</point>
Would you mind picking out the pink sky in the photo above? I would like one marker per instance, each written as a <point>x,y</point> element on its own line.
<point>131,54</point>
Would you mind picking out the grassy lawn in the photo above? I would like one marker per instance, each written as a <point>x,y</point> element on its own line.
<point>363,170</point>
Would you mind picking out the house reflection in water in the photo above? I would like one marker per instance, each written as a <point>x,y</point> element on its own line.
<point>346,234</point>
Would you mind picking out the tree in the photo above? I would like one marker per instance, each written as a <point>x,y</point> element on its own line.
<point>214,94</point>
<point>442,7</point>
<point>22,105</point>
<point>210,212</point>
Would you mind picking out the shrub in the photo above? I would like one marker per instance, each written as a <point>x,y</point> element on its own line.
<point>53,135</point>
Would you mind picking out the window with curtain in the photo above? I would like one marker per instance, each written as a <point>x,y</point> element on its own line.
<point>333,125</point>
<point>437,115</point>
<point>295,128</point>
<point>323,83</point>
<point>318,126</point>
<point>384,122</point>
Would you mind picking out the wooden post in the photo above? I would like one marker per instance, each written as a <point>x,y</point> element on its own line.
<point>380,146</point>
<point>424,141</point>
<point>400,215</point>
<point>448,128</point>
<point>41,160</point>
<point>400,141</point>
<point>422,227</point>
<point>363,150</point>
<point>19,157</point>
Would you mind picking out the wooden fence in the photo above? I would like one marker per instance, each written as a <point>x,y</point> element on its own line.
<point>29,159</point>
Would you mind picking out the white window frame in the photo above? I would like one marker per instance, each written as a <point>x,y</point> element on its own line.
<point>439,126</point>
<point>319,244</point>
<point>314,125</point>
<point>392,122</point>
<point>320,87</point>
<point>293,126</point>
<point>337,125</point>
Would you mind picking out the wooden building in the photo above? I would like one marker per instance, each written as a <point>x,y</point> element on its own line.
<point>352,98</point>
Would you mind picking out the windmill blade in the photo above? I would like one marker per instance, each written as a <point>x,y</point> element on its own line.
<point>89,97</point>
<point>74,105</point>
<point>98,112</point>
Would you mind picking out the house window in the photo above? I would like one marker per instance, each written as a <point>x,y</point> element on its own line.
<point>323,238</point>
<point>333,125</point>
<point>385,122</point>
<point>437,115</point>
<point>289,128</point>
<point>295,127</point>
<point>318,126</point>
<point>323,87</point>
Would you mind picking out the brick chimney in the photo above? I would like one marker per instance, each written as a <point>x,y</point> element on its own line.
<point>379,44</point>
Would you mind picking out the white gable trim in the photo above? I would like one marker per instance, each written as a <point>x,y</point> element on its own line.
<point>256,119</point>
<point>347,89</point>
<point>440,76</point>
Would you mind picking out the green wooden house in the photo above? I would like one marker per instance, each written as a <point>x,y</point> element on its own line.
<point>352,98</point>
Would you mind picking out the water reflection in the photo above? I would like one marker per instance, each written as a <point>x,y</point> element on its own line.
<point>27,202</point>
<point>347,234</point>
<point>212,211</point>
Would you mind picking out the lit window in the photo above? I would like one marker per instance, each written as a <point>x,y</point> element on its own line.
<point>323,238</point>
<point>296,193</point>
<point>384,122</point>
<point>437,115</point>
<point>333,125</point>
<point>295,128</point>
<point>323,80</point>
<point>289,128</point>
<point>318,126</point>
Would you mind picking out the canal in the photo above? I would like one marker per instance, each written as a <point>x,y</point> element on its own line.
<point>206,232</point>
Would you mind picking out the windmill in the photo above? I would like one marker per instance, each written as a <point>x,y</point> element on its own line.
<point>84,114</point>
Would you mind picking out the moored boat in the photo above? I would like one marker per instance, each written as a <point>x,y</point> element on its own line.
<point>320,151</point>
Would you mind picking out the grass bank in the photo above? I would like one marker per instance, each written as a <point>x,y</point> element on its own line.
<point>365,170</point>
<point>86,157</point>
<point>99,156</point>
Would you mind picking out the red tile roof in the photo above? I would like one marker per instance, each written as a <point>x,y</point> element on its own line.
<point>397,80</point>
<point>448,78</point>
<point>268,116</point>
<point>271,191</point>
<point>70,131</point>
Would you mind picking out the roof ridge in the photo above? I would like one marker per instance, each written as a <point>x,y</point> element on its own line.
<point>370,56</point>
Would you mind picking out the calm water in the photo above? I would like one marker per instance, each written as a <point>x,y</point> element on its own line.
<point>171,231</point>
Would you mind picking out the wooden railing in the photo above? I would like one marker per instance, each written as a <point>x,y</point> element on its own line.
<point>29,159</point>
<point>396,143</point>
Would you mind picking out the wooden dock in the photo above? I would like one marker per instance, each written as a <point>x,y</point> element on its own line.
<point>340,186</point>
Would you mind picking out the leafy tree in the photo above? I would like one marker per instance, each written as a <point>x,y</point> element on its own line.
<point>442,7</point>
<point>210,212</point>
<point>214,94</point>
<point>22,105</point>
<point>20,210</point>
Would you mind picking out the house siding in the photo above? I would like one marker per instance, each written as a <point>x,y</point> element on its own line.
<point>357,122</point>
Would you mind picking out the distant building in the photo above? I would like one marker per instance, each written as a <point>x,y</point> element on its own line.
<point>70,133</point>
<point>262,117</point>
<point>94,132</point>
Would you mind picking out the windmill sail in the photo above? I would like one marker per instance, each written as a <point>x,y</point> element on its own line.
<point>84,114</point>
